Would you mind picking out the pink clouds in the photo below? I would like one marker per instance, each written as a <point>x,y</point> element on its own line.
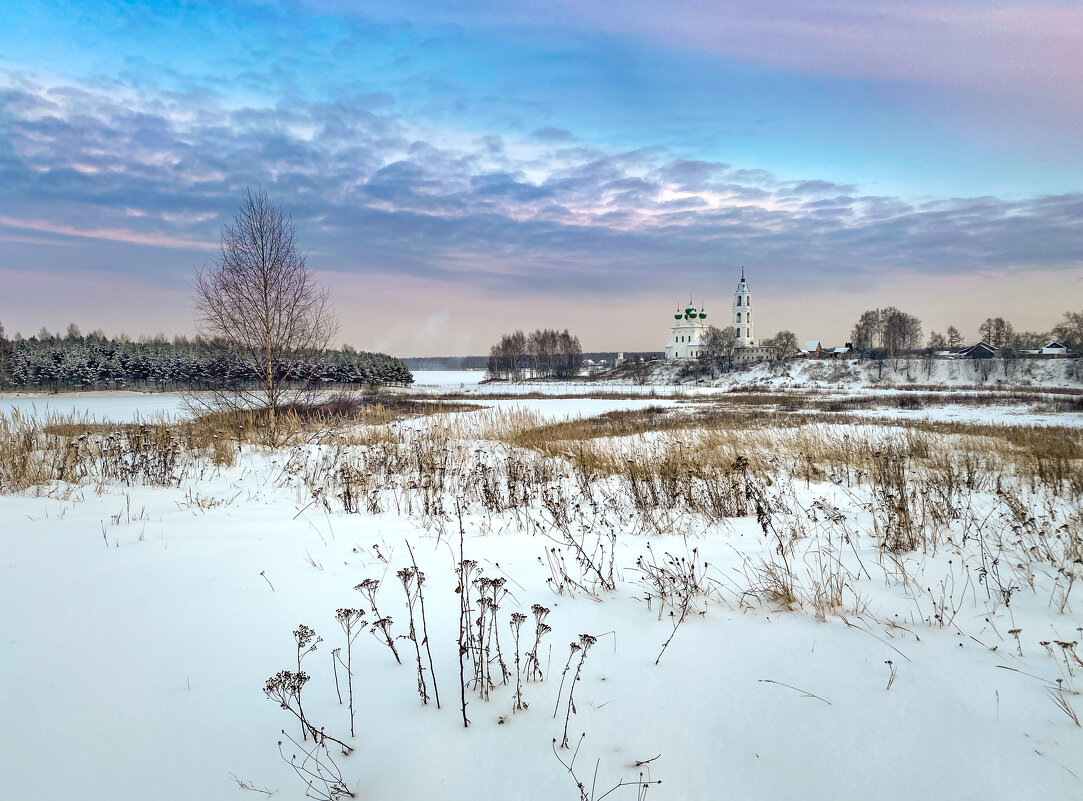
<point>953,43</point>
<point>1019,49</point>
<point>150,239</point>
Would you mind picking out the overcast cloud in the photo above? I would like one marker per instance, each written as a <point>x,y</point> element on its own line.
<point>463,188</point>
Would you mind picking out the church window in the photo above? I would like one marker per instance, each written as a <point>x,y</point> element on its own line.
<point>738,333</point>
<point>738,317</point>
<point>738,300</point>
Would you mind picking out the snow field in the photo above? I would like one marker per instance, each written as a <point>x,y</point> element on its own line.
<point>142,625</point>
<point>855,374</point>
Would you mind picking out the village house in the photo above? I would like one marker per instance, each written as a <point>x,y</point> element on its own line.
<point>1053,348</point>
<point>979,350</point>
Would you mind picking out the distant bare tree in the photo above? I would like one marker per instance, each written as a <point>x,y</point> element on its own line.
<point>783,345</point>
<point>494,368</point>
<point>997,331</point>
<point>1069,331</point>
<point>1028,340</point>
<point>888,329</point>
<point>569,354</point>
<point>260,298</point>
<point>542,348</point>
<point>554,353</point>
<point>937,341</point>
<point>717,346</point>
<point>546,352</point>
<point>868,331</point>
<point>955,339</point>
<point>900,331</point>
<point>507,356</point>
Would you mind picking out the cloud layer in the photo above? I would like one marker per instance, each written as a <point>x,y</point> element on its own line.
<point>371,192</point>
<point>478,190</point>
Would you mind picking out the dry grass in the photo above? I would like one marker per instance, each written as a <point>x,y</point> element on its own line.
<point>77,450</point>
<point>162,450</point>
<point>299,422</point>
<point>1006,495</point>
<point>844,449</point>
<point>755,396</point>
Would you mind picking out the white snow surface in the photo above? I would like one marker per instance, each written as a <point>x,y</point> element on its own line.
<point>117,406</point>
<point>852,374</point>
<point>140,624</point>
<point>474,382</point>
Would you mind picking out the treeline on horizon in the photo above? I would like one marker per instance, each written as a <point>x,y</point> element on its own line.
<point>482,362</point>
<point>545,353</point>
<point>72,361</point>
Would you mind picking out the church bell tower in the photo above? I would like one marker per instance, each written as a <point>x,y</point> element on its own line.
<point>742,313</point>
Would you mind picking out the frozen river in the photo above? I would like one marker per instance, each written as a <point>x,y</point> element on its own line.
<point>120,406</point>
<point>123,406</point>
<point>117,406</point>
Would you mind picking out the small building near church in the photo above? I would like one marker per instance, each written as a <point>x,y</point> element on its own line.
<point>1054,348</point>
<point>980,350</point>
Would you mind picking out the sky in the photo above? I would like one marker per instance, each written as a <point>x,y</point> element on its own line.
<point>459,170</point>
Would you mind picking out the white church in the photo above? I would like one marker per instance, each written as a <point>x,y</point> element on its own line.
<point>691,326</point>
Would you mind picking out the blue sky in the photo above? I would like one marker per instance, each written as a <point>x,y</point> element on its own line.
<point>526,164</point>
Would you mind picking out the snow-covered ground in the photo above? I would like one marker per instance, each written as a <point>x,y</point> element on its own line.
<point>469,382</point>
<point>998,414</point>
<point>447,380</point>
<point>847,375</point>
<point>141,624</point>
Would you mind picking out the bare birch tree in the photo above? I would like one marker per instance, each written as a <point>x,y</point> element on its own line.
<point>260,299</point>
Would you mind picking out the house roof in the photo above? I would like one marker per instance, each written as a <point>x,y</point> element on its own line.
<point>978,346</point>
<point>812,344</point>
